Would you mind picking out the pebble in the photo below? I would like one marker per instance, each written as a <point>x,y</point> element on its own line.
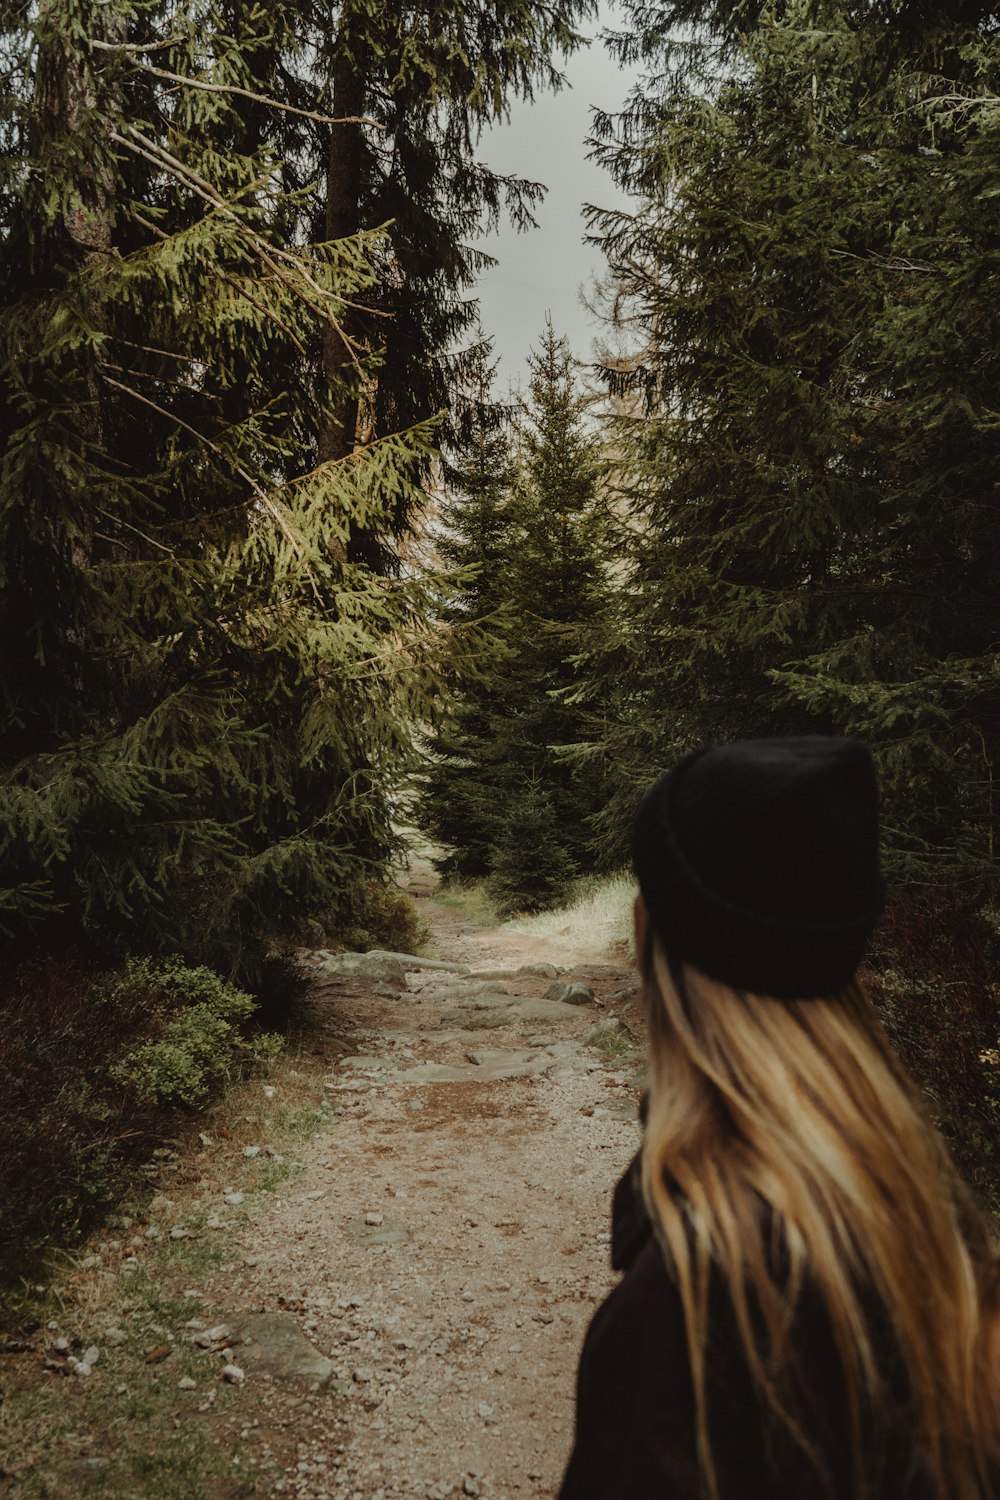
<point>180,1233</point>
<point>187,1384</point>
<point>233,1374</point>
<point>373,1219</point>
<point>251,1151</point>
<point>115,1337</point>
<point>235,1198</point>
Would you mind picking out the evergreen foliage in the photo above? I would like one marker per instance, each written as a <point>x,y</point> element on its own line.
<point>203,701</point>
<point>531,532</point>
<point>425,79</point>
<point>809,493</point>
<point>530,867</point>
<point>461,799</point>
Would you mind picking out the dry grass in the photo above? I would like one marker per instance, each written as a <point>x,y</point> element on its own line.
<point>597,919</point>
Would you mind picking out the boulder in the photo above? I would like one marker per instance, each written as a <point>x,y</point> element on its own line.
<point>274,1344</point>
<point>384,966</point>
<point>610,1036</point>
<point>571,994</point>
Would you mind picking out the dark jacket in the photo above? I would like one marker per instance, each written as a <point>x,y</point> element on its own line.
<point>635,1418</point>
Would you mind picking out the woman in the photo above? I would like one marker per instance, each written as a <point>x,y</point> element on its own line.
<point>810,1299</point>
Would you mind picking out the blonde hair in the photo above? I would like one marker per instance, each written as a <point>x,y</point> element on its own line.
<point>796,1117</point>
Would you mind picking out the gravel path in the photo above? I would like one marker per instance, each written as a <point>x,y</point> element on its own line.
<point>447,1239</point>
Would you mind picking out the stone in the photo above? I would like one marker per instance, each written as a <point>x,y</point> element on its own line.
<point>180,1233</point>
<point>609,1035</point>
<point>387,991</point>
<point>115,1337</point>
<point>472,1016</point>
<point>571,994</point>
<point>209,1336</point>
<point>234,1198</point>
<point>363,966</point>
<point>274,1344</point>
<point>373,1219</point>
<point>187,1384</point>
<point>378,1234</point>
<point>539,971</point>
<point>92,1355</point>
<point>250,1151</point>
<point>412,963</point>
<point>233,1374</point>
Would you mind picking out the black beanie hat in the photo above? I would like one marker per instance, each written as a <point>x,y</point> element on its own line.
<point>758,862</point>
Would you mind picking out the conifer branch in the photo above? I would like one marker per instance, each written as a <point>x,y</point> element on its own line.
<point>120,521</point>
<point>259,493</point>
<point>270,254</point>
<point>261,307</point>
<point>231,88</point>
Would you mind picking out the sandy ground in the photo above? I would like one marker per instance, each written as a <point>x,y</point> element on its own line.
<point>447,1239</point>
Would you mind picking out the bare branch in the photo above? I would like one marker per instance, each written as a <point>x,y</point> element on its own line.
<point>244,474</point>
<point>270,254</point>
<point>231,88</point>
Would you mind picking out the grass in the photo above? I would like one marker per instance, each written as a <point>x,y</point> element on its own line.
<point>156,1439</point>
<point>598,916</point>
<point>470,898</point>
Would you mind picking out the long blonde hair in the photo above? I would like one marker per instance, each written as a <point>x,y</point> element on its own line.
<point>796,1116</point>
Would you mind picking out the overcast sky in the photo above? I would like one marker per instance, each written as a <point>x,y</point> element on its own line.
<point>545,270</point>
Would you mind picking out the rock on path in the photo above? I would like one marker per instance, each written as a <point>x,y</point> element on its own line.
<point>438,1258</point>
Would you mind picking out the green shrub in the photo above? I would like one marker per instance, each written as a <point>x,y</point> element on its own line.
<point>532,868</point>
<point>933,980</point>
<point>381,916</point>
<point>95,1069</point>
<point>199,1046</point>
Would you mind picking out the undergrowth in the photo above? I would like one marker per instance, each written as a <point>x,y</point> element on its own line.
<point>98,1070</point>
<point>597,917</point>
<point>933,979</point>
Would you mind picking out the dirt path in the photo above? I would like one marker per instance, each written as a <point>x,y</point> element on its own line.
<point>402,1314</point>
<point>447,1239</point>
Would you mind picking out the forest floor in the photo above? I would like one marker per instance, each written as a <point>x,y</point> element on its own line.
<point>380,1292</point>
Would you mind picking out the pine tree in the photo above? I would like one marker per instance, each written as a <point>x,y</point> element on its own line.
<point>532,531</point>
<point>424,79</point>
<point>203,702</point>
<point>461,805</point>
<point>557,590</point>
<point>530,868</point>
<point>811,535</point>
